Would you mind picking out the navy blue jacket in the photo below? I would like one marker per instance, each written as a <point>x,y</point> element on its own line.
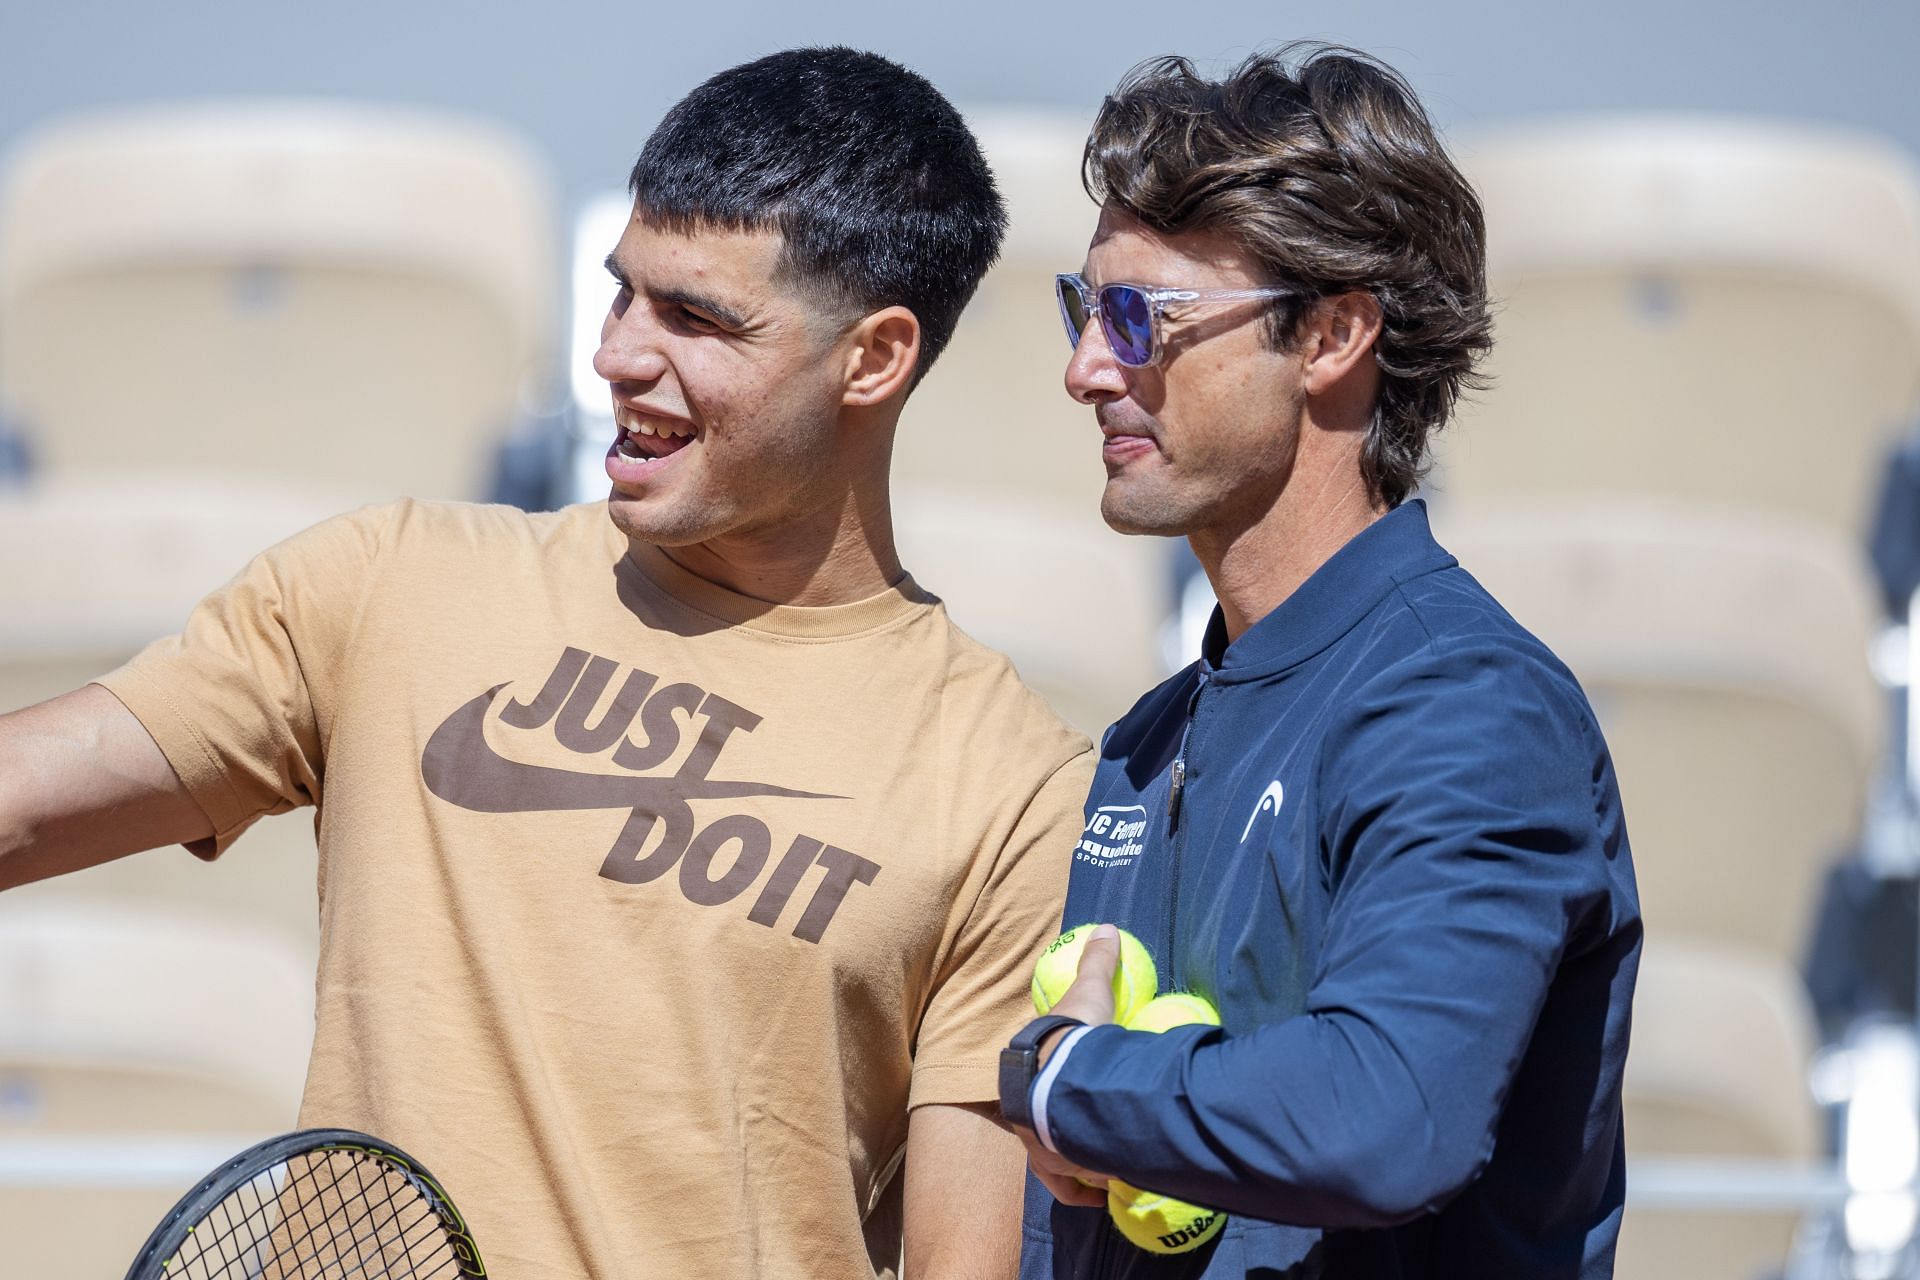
<point>1380,832</point>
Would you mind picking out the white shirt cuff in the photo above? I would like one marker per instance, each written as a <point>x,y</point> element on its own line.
<point>1044,1085</point>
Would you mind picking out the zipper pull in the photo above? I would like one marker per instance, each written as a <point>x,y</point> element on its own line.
<point>1173,793</point>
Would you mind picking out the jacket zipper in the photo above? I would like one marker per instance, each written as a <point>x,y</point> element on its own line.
<point>1107,1243</point>
<point>1175,793</point>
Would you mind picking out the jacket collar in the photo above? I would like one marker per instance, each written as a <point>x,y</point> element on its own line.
<point>1394,549</point>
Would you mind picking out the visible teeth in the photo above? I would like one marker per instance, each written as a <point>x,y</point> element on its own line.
<point>637,424</point>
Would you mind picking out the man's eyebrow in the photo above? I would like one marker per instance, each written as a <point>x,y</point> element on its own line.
<point>726,316</point>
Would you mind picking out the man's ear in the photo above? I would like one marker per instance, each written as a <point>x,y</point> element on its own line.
<point>882,357</point>
<point>1341,333</point>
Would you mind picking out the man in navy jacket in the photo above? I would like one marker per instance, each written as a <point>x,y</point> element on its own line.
<point>1376,824</point>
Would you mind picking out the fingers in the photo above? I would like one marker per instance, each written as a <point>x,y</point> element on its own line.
<point>1068,1189</point>
<point>1069,1183</point>
<point>1090,998</point>
<point>1100,957</point>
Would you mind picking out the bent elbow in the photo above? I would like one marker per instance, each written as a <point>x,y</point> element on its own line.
<point>1403,1199</point>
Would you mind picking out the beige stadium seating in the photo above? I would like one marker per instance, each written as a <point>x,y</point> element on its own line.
<point>1715,310</point>
<point>118,1027</point>
<point>349,299</point>
<point>91,577</point>
<point>1725,655</point>
<point>1718,1070</point>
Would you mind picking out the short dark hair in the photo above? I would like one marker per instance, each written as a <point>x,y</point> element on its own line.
<point>869,175</point>
<point>1330,174</point>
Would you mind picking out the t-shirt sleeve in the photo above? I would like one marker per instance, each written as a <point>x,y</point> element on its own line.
<point>981,996</point>
<point>237,700</point>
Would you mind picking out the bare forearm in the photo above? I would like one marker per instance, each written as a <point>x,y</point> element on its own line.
<point>81,783</point>
<point>965,1176</point>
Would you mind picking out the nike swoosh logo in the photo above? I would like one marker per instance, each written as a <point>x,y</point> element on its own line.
<point>461,767</point>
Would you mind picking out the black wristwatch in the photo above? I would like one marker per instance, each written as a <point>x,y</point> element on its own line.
<point>1020,1063</point>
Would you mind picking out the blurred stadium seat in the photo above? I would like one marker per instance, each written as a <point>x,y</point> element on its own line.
<point>1721,1039</point>
<point>184,1026</point>
<point>1716,310</point>
<point>1726,657</point>
<point>343,298</point>
<point>118,1026</point>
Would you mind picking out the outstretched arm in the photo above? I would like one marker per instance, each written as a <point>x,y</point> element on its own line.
<point>81,783</point>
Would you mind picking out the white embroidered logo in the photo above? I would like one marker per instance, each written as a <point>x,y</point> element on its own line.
<point>1113,836</point>
<point>1270,801</point>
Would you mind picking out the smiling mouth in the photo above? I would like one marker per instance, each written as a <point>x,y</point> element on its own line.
<point>644,436</point>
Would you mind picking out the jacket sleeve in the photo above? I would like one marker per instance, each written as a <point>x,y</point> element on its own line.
<point>1466,814</point>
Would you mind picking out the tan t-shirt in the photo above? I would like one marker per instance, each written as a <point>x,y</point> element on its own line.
<point>647,910</point>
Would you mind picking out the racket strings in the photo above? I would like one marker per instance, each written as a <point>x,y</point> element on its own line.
<point>321,1215</point>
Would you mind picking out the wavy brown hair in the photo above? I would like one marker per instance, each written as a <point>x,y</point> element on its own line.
<point>1321,163</point>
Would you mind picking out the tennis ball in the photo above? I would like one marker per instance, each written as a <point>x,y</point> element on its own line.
<point>1134,979</point>
<point>1157,1223</point>
<point>1160,1224</point>
<point>1181,1009</point>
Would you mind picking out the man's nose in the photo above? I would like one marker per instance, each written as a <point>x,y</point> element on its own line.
<point>629,348</point>
<point>1093,375</point>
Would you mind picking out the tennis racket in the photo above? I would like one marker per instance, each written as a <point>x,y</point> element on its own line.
<point>313,1205</point>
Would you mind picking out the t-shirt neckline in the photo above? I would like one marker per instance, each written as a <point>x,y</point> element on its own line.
<point>651,567</point>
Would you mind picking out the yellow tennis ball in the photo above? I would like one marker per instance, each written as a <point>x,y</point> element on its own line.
<point>1160,1224</point>
<point>1157,1223</point>
<point>1181,1009</point>
<point>1134,979</point>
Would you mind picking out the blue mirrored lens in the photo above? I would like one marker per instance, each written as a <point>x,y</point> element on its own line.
<point>1128,316</point>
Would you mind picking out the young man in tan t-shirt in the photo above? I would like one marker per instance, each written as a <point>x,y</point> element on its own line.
<point>680,872</point>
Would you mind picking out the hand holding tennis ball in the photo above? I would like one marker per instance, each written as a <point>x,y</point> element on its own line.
<point>1134,977</point>
<point>1157,1223</point>
<point>1153,1222</point>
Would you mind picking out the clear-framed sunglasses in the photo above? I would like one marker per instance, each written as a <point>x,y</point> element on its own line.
<point>1130,313</point>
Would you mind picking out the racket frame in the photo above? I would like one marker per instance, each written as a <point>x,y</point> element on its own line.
<point>171,1235</point>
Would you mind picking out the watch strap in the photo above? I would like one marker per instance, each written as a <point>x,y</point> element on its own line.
<point>1020,1063</point>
